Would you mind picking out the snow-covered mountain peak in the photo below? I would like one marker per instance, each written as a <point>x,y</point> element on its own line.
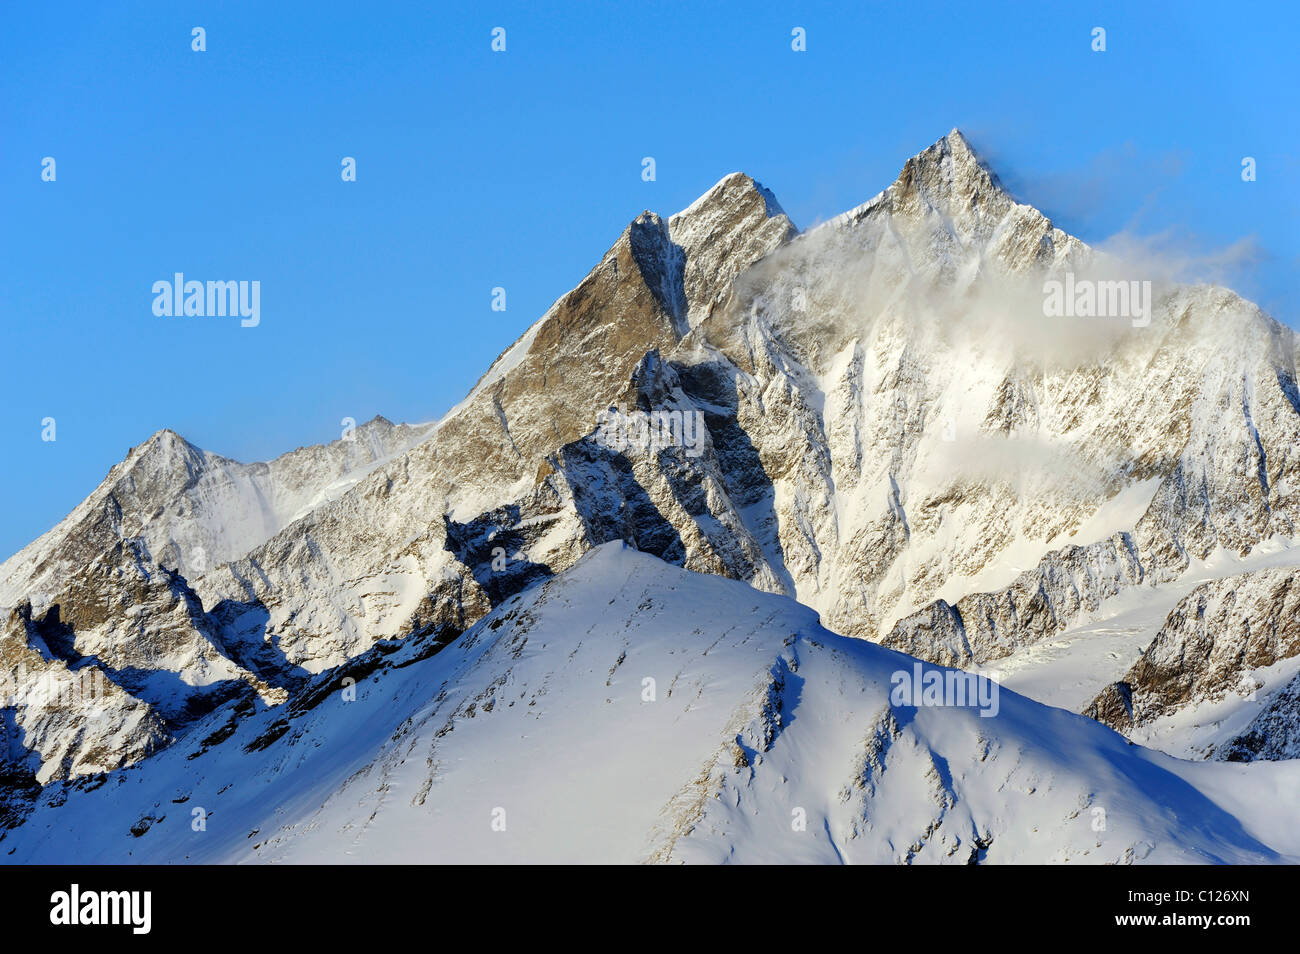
<point>192,509</point>
<point>724,232</point>
<point>162,438</point>
<point>164,450</point>
<point>871,432</point>
<point>730,186</point>
<point>951,171</point>
<point>626,710</point>
<point>948,218</point>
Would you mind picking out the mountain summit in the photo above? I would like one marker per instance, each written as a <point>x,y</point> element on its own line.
<point>893,430</point>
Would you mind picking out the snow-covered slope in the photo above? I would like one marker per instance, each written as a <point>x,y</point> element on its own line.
<point>193,509</point>
<point>1220,676</point>
<point>108,650</point>
<point>891,420</point>
<point>513,468</point>
<point>630,711</point>
<point>894,432</point>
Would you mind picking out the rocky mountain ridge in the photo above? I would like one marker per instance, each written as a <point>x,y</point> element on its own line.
<point>628,711</point>
<point>896,434</point>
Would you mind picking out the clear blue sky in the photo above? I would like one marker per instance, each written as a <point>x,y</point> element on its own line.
<point>518,169</point>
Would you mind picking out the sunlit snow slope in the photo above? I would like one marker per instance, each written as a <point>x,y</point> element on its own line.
<point>539,736</point>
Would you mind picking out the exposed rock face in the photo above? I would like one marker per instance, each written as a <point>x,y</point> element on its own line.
<point>143,625</point>
<point>110,649</point>
<point>669,717</point>
<point>1207,647</point>
<point>727,229</point>
<point>1274,734</point>
<point>354,542</point>
<point>1228,481</point>
<point>1113,706</point>
<point>1040,603</point>
<point>192,509</point>
<point>60,722</point>
<point>893,432</point>
<point>925,431</point>
<point>513,468</point>
<point>123,656</point>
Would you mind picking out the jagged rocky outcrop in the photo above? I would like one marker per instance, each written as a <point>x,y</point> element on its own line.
<point>627,711</point>
<point>1040,603</point>
<point>192,509</point>
<point>894,430</point>
<point>1211,644</point>
<point>61,720</point>
<point>1273,734</point>
<point>511,485</point>
<point>830,375</point>
<point>121,659</point>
